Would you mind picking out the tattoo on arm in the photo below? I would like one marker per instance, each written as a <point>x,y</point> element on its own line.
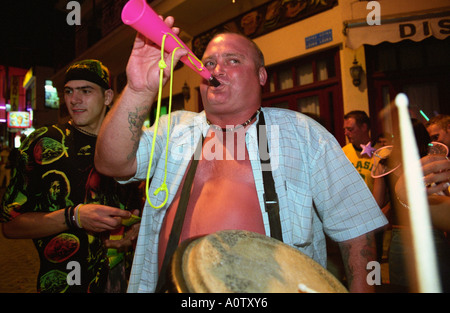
<point>135,121</point>
<point>345,252</point>
<point>366,251</point>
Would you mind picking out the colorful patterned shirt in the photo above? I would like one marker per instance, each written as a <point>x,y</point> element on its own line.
<point>55,171</point>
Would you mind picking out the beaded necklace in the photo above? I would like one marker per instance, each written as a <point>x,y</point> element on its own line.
<point>82,130</point>
<point>236,127</point>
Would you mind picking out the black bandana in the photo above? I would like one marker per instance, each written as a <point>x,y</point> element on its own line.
<point>91,70</point>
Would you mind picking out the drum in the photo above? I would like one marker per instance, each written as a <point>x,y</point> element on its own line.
<point>235,261</point>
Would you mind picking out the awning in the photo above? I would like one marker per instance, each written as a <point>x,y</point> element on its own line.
<point>397,28</point>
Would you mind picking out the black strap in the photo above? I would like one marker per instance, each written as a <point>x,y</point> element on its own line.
<point>175,233</point>
<point>270,196</point>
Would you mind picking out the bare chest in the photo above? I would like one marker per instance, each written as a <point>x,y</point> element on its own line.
<point>223,194</point>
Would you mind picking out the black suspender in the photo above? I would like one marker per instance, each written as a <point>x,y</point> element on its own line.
<point>270,196</point>
<point>270,201</point>
<point>177,226</point>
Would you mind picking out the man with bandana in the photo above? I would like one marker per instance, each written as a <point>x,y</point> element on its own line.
<point>57,198</point>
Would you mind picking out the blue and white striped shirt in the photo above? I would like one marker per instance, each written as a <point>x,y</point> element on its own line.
<point>308,167</point>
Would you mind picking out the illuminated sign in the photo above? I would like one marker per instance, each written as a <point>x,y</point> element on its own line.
<point>19,119</point>
<point>14,95</point>
<point>28,78</point>
<point>51,95</point>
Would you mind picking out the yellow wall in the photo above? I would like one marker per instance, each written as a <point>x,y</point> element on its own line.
<point>289,43</point>
<point>292,46</point>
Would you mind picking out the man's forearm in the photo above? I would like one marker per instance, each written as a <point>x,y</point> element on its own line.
<point>35,225</point>
<point>356,254</point>
<point>93,218</point>
<point>120,133</point>
<point>136,120</point>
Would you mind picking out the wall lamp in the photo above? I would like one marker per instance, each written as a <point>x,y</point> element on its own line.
<point>355,72</point>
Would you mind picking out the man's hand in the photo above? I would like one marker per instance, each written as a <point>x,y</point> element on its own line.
<point>128,239</point>
<point>97,218</point>
<point>143,64</point>
<point>436,171</point>
<point>94,218</point>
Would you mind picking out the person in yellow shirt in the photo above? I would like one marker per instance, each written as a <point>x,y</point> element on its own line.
<point>359,150</point>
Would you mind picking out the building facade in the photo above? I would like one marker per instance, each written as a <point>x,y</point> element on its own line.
<point>311,50</point>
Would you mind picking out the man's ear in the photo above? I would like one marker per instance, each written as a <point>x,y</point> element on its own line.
<point>109,96</point>
<point>364,127</point>
<point>262,75</point>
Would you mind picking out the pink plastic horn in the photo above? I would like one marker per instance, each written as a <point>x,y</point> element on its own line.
<point>139,15</point>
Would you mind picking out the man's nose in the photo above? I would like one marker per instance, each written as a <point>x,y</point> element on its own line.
<point>75,98</point>
<point>218,69</point>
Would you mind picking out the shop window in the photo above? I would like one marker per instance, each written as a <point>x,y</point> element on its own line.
<point>285,79</point>
<point>410,57</point>
<point>423,96</point>
<point>325,69</point>
<point>309,105</point>
<point>386,60</point>
<point>418,69</point>
<point>387,118</point>
<point>271,83</point>
<point>305,74</point>
<point>310,85</point>
<point>436,53</point>
<point>304,71</point>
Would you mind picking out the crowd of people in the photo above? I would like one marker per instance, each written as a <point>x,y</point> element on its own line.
<point>77,188</point>
<point>384,176</point>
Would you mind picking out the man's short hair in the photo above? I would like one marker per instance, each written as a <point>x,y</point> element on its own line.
<point>359,116</point>
<point>441,120</point>
<point>259,54</point>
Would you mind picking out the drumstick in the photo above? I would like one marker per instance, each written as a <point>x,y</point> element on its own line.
<point>424,250</point>
<point>304,288</point>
